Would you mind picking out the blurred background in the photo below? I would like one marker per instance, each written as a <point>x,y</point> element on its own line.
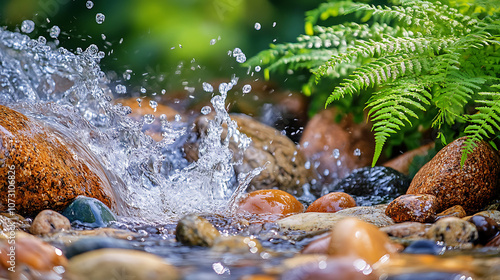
<point>164,44</point>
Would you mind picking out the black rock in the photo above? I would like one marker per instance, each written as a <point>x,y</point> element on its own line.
<point>374,185</point>
<point>94,243</point>
<point>424,246</point>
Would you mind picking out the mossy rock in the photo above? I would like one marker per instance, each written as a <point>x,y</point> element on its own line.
<point>89,212</point>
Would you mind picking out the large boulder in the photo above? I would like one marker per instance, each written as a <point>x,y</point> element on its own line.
<point>286,169</point>
<point>472,185</point>
<point>42,170</point>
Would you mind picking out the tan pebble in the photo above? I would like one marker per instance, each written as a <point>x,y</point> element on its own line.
<point>453,232</point>
<point>49,221</point>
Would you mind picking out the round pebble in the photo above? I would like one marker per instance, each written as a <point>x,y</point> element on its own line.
<point>332,203</point>
<point>453,232</point>
<point>270,205</point>
<point>194,230</point>
<point>486,227</point>
<point>49,221</point>
<point>413,208</point>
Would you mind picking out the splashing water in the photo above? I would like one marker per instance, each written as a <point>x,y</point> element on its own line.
<point>151,179</point>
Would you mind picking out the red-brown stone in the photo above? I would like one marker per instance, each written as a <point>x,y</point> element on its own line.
<point>413,208</point>
<point>270,205</point>
<point>332,203</point>
<point>472,185</point>
<point>47,175</point>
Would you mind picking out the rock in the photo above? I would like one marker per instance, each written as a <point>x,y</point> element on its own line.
<point>89,212</point>
<point>431,275</point>
<point>332,268</point>
<point>360,240</point>
<point>104,264</point>
<point>258,277</point>
<point>413,208</point>
<point>139,111</point>
<point>49,221</point>
<point>374,185</point>
<point>453,232</point>
<point>314,221</point>
<point>194,230</point>
<point>492,214</point>
<point>454,211</point>
<point>495,242</point>
<point>11,222</point>
<point>30,251</point>
<point>427,247</point>
<point>286,169</point>
<point>487,228</point>
<point>318,246</point>
<point>237,245</point>
<point>88,244</point>
<point>67,238</point>
<point>403,162</point>
<point>406,229</point>
<point>269,205</point>
<point>47,175</point>
<point>472,185</point>
<point>338,147</point>
<point>332,203</point>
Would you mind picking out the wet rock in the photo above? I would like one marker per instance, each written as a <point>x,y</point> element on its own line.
<point>314,221</point>
<point>403,162</point>
<point>89,212</point>
<point>88,244</point>
<point>495,242</point>
<point>237,245</point>
<point>358,239</point>
<point>139,111</point>
<point>472,185</point>
<point>454,211</point>
<point>193,230</point>
<point>30,251</point>
<point>427,247</point>
<point>374,185</point>
<point>286,169</point>
<point>107,264</point>
<point>487,228</point>
<point>492,214</point>
<point>13,222</point>
<point>414,208</point>
<point>338,147</point>
<point>318,246</point>
<point>339,268</point>
<point>432,275</point>
<point>66,238</point>
<point>332,203</point>
<point>406,229</point>
<point>269,205</point>
<point>453,232</point>
<point>49,221</point>
<point>47,175</point>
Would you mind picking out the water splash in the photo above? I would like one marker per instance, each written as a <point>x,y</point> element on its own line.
<point>152,179</point>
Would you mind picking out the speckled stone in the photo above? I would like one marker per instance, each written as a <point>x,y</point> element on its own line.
<point>49,221</point>
<point>454,211</point>
<point>413,208</point>
<point>405,229</point>
<point>472,186</point>
<point>46,173</point>
<point>286,168</point>
<point>453,232</point>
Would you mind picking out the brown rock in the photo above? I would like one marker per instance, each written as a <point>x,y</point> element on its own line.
<point>269,205</point>
<point>47,175</point>
<point>138,112</point>
<point>332,203</point>
<point>472,185</point>
<point>495,242</point>
<point>402,163</point>
<point>237,245</point>
<point>354,238</point>
<point>49,221</point>
<point>413,208</point>
<point>285,170</point>
<point>328,142</point>
<point>455,211</point>
<point>453,232</point>
<point>406,229</point>
<point>194,230</point>
<point>487,228</point>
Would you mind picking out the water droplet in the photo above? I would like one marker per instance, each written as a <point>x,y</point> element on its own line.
<point>54,31</point>
<point>206,110</point>
<point>89,4</point>
<point>121,89</point>
<point>143,90</point>
<point>153,104</point>
<point>149,118</point>
<point>307,165</point>
<point>241,58</point>
<point>336,153</point>
<point>27,26</point>
<point>247,88</point>
<point>212,42</point>
<point>139,101</point>
<point>257,68</point>
<point>42,40</point>
<point>357,152</point>
<point>274,24</point>
<point>208,87</point>
<point>103,36</point>
<point>163,91</point>
<point>178,118</point>
<point>99,18</point>
<point>257,26</point>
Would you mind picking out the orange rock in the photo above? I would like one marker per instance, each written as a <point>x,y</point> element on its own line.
<point>270,205</point>
<point>413,208</point>
<point>455,211</point>
<point>44,170</point>
<point>332,203</point>
<point>472,185</point>
<point>354,238</point>
<point>138,112</point>
<point>329,142</point>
